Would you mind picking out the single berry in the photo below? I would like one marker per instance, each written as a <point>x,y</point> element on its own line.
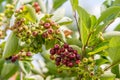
<point>72,56</point>
<point>77,61</point>
<point>64,61</point>
<point>52,51</point>
<point>35,4</point>
<point>70,64</point>
<point>62,55</point>
<point>58,52</point>
<point>66,53</point>
<point>47,25</point>
<point>56,46</point>
<point>62,49</point>
<point>77,56</point>
<point>75,51</point>
<point>28,54</point>
<point>66,45</point>
<point>14,58</point>
<point>70,49</point>
<point>37,9</point>
<point>58,59</point>
<point>50,31</point>
<point>45,35</point>
<point>35,33</point>
<point>57,63</point>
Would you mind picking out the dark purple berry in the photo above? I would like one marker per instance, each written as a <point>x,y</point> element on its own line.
<point>75,51</point>
<point>62,49</point>
<point>58,52</point>
<point>58,59</point>
<point>47,25</point>
<point>62,55</point>
<point>77,56</point>
<point>72,56</point>
<point>77,61</point>
<point>64,61</point>
<point>14,58</point>
<point>66,45</point>
<point>57,63</point>
<point>66,53</point>
<point>70,49</point>
<point>52,51</point>
<point>37,9</point>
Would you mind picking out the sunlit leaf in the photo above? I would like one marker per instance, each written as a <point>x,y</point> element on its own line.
<point>65,21</point>
<point>74,4</point>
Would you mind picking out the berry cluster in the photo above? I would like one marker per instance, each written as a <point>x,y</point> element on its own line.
<point>9,10</point>
<point>49,27</point>
<point>65,55</point>
<point>22,55</point>
<point>36,6</point>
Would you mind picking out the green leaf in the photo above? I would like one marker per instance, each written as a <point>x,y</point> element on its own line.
<point>117,28</point>
<point>42,5</point>
<point>30,13</point>
<point>111,34</point>
<point>109,14</point>
<point>8,70</point>
<point>93,21</point>
<point>1,64</point>
<point>58,14</point>
<point>84,16</point>
<point>11,46</point>
<point>116,3</point>
<point>114,50</point>
<point>99,48</point>
<point>101,61</point>
<point>58,3</point>
<point>74,4</point>
<point>116,70</point>
<point>107,76</point>
<point>64,21</point>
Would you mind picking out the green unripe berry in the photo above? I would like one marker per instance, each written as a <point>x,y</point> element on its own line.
<point>90,59</point>
<point>85,60</point>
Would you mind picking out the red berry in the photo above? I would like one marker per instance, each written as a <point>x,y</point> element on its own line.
<point>47,25</point>
<point>70,64</point>
<point>75,51</point>
<point>35,33</point>
<point>52,51</point>
<point>56,46</point>
<point>50,31</point>
<point>64,61</point>
<point>14,58</point>
<point>77,61</point>
<point>37,9</point>
<point>28,54</point>
<point>45,35</point>
<point>57,63</point>
<point>58,52</point>
<point>62,55</point>
<point>72,56</point>
<point>66,53</point>
<point>78,57</point>
<point>66,45</point>
<point>35,4</point>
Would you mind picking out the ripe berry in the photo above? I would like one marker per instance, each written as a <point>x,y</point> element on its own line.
<point>58,59</point>
<point>57,63</point>
<point>28,54</point>
<point>72,56</point>
<point>66,53</point>
<point>66,45</point>
<point>37,9</point>
<point>52,51</point>
<point>62,49</point>
<point>50,31</point>
<point>47,25</point>
<point>70,64</point>
<point>58,52</point>
<point>14,58</point>
<point>75,51</point>
<point>35,4</point>
<point>78,57</point>
<point>77,61</point>
<point>70,49</point>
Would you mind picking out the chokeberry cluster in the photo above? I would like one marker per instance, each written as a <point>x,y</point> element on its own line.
<point>36,6</point>
<point>65,55</point>
<point>22,55</point>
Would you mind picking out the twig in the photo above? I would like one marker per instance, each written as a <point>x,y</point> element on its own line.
<point>75,16</point>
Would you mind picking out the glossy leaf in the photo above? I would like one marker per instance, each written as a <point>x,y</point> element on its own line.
<point>30,13</point>
<point>65,21</point>
<point>110,13</point>
<point>116,70</point>
<point>114,50</point>
<point>8,70</point>
<point>58,3</point>
<point>11,46</point>
<point>58,14</point>
<point>74,4</point>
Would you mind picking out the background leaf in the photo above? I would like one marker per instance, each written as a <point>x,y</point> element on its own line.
<point>42,5</point>
<point>74,4</point>
<point>116,70</point>
<point>58,3</point>
<point>11,46</point>
<point>65,21</point>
